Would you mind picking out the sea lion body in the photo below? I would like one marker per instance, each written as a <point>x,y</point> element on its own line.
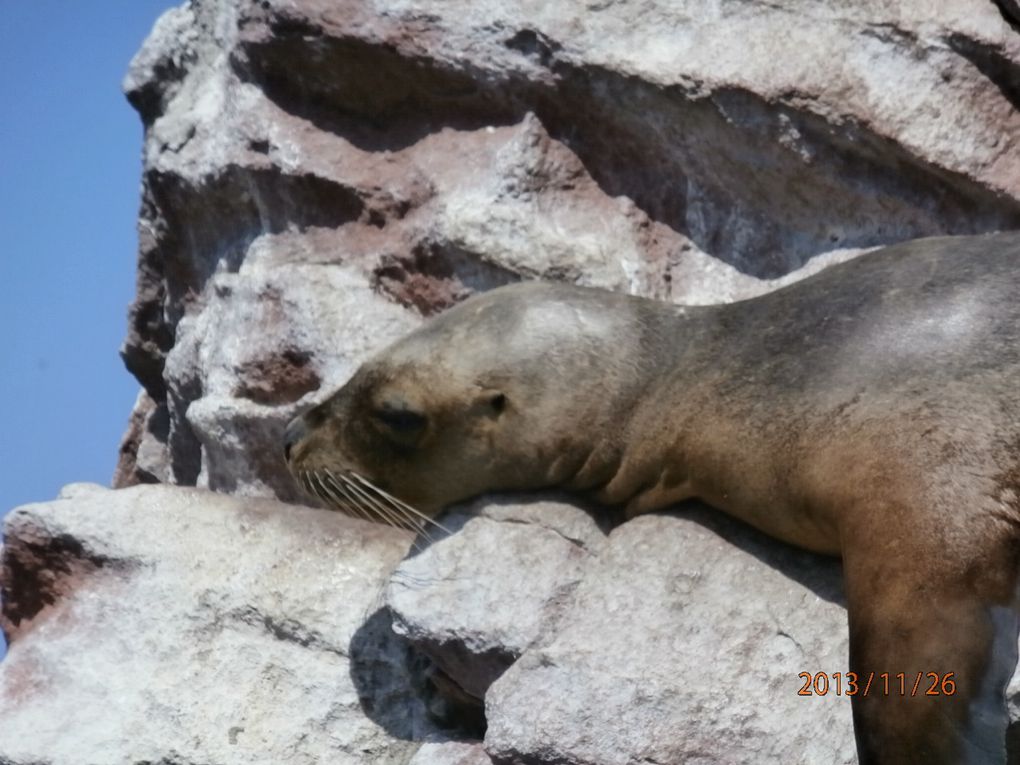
<point>871,411</point>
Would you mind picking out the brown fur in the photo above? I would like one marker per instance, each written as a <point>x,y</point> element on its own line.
<point>871,411</point>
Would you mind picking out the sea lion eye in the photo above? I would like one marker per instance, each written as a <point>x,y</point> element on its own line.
<point>498,403</point>
<point>400,420</point>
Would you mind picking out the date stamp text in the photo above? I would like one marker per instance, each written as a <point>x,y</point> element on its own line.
<point>877,684</point>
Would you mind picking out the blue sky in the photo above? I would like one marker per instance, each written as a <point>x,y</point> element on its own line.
<point>70,163</point>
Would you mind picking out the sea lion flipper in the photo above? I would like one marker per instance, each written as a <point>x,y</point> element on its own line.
<point>932,659</point>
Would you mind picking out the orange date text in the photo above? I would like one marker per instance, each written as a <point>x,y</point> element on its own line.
<point>877,684</point>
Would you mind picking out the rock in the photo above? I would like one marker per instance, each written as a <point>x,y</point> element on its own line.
<point>680,638</point>
<point>682,645</point>
<point>132,466</point>
<point>1013,703</point>
<point>141,632</point>
<point>451,753</point>
<point>159,624</point>
<point>239,390</point>
<point>476,600</point>
<point>643,647</point>
<point>1010,10</point>
<point>318,177</point>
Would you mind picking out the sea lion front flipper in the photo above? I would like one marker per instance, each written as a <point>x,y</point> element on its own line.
<point>933,648</point>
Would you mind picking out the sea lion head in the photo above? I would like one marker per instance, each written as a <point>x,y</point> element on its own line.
<point>502,392</point>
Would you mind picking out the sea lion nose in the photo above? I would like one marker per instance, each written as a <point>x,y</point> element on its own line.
<point>294,432</point>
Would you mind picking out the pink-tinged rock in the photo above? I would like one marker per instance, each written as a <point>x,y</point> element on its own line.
<point>159,624</point>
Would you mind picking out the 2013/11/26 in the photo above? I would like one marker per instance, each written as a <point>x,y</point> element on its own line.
<point>889,684</point>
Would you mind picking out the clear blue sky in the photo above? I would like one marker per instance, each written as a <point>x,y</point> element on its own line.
<point>70,164</point>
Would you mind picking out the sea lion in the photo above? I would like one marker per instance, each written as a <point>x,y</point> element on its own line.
<point>871,411</point>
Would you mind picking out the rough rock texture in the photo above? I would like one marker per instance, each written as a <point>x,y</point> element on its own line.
<point>528,558</point>
<point>697,645</point>
<point>162,624</point>
<point>451,753</point>
<point>643,647</point>
<point>318,176</point>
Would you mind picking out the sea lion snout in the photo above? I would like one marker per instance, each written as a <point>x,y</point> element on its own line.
<point>295,431</point>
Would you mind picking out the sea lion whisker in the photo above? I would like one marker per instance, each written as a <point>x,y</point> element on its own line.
<point>409,518</point>
<point>338,500</point>
<point>404,512</point>
<point>370,512</point>
<point>354,505</point>
<point>306,482</point>
<point>400,503</point>
<point>370,508</point>
<point>382,514</point>
<point>403,521</point>
<point>320,489</point>
<point>313,487</point>
<point>398,510</point>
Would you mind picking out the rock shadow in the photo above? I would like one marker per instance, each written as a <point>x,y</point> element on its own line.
<point>402,691</point>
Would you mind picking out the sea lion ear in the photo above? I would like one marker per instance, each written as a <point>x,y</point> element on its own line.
<point>497,401</point>
<point>490,403</point>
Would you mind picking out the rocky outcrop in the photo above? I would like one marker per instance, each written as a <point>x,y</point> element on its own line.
<point>164,624</point>
<point>318,177</point>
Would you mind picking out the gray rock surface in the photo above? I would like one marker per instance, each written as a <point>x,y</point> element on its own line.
<point>476,600</point>
<point>162,624</point>
<point>679,638</point>
<point>683,645</point>
<point>451,753</point>
<point>168,624</point>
